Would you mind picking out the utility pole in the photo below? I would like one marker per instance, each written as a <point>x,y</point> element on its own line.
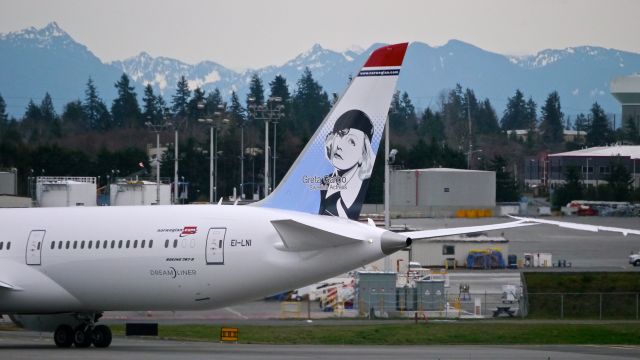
<point>387,221</point>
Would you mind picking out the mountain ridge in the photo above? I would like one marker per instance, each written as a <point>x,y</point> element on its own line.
<point>34,61</point>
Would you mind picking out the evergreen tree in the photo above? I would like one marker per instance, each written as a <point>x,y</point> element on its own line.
<point>236,111</point>
<point>506,186</point>
<point>164,112</point>
<point>94,107</point>
<point>432,127</point>
<point>599,132</point>
<point>516,113</point>
<point>310,105</point>
<point>125,109</point>
<point>619,181</point>
<point>213,101</point>
<point>280,88</point>
<point>256,90</point>
<point>74,118</point>
<point>630,130</point>
<point>531,114</point>
<point>552,117</point>
<point>4,118</point>
<point>196,106</point>
<point>402,114</point>
<point>486,119</point>
<point>181,98</point>
<point>151,112</point>
<point>570,190</point>
<point>49,116</point>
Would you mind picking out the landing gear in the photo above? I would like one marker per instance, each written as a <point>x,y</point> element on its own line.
<point>83,335</point>
<point>101,336</point>
<point>63,336</point>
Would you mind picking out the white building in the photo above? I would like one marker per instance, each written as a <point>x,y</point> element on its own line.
<point>127,193</point>
<point>53,191</point>
<point>441,192</point>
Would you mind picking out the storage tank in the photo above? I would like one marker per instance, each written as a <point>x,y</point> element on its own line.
<point>53,191</point>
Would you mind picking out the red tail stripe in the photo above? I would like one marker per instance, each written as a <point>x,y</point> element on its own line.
<point>391,55</point>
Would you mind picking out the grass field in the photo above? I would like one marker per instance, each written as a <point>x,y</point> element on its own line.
<point>476,332</point>
<point>583,295</point>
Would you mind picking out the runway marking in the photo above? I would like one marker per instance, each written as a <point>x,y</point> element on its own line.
<point>236,313</point>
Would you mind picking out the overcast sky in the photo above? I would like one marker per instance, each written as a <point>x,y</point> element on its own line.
<point>248,34</point>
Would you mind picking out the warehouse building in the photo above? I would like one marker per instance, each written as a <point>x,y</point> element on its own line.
<point>594,164</point>
<point>441,192</point>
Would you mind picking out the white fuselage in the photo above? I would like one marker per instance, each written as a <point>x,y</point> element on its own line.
<point>216,255</point>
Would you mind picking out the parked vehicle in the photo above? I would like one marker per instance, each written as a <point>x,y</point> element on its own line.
<point>634,259</point>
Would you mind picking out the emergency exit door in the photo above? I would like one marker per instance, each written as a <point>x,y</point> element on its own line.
<point>215,246</point>
<point>34,247</point>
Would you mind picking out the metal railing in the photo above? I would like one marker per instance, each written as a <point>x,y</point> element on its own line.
<point>590,305</point>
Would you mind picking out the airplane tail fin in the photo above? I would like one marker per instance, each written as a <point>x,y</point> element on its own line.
<point>331,175</point>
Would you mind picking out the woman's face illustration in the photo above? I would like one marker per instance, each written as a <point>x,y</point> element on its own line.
<point>347,148</point>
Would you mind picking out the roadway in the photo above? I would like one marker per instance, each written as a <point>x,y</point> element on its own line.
<point>17,345</point>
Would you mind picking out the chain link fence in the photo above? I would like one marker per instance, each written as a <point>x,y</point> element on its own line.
<point>588,306</point>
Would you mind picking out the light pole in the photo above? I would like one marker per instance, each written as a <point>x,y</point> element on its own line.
<point>270,112</point>
<point>214,124</point>
<point>469,153</point>
<point>242,160</point>
<point>157,128</point>
<point>389,158</point>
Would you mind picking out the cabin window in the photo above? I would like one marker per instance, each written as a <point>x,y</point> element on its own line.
<point>1,244</point>
<point>166,243</point>
<point>142,244</point>
<point>120,244</point>
<point>53,245</point>
<point>150,244</point>
<point>97,244</point>
<point>90,245</point>
<point>9,245</point>
<point>104,244</point>
<point>82,244</point>
<point>128,243</point>
<point>59,245</point>
<point>113,244</point>
<point>75,244</point>
<point>175,243</point>
<point>135,244</point>
<point>67,245</point>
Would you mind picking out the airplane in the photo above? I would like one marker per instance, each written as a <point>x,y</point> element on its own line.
<point>62,268</point>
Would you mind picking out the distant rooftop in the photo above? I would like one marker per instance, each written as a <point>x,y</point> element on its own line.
<point>631,151</point>
<point>443,170</point>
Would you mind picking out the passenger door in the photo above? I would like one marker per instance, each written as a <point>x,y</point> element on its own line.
<point>34,247</point>
<point>214,253</point>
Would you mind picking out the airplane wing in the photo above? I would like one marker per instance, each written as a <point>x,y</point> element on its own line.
<point>297,236</point>
<point>427,234</point>
<point>585,227</point>
<point>7,286</point>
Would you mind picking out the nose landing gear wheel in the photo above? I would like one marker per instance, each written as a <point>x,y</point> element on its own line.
<point>63,336</point>
<point>82,337</point>
<point>101,336</point>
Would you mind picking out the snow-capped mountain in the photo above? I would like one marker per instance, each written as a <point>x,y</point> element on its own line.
<point>35,61</point>
<point>164,73</point>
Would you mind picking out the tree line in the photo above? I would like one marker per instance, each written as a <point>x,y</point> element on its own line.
<point>442,136</point>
